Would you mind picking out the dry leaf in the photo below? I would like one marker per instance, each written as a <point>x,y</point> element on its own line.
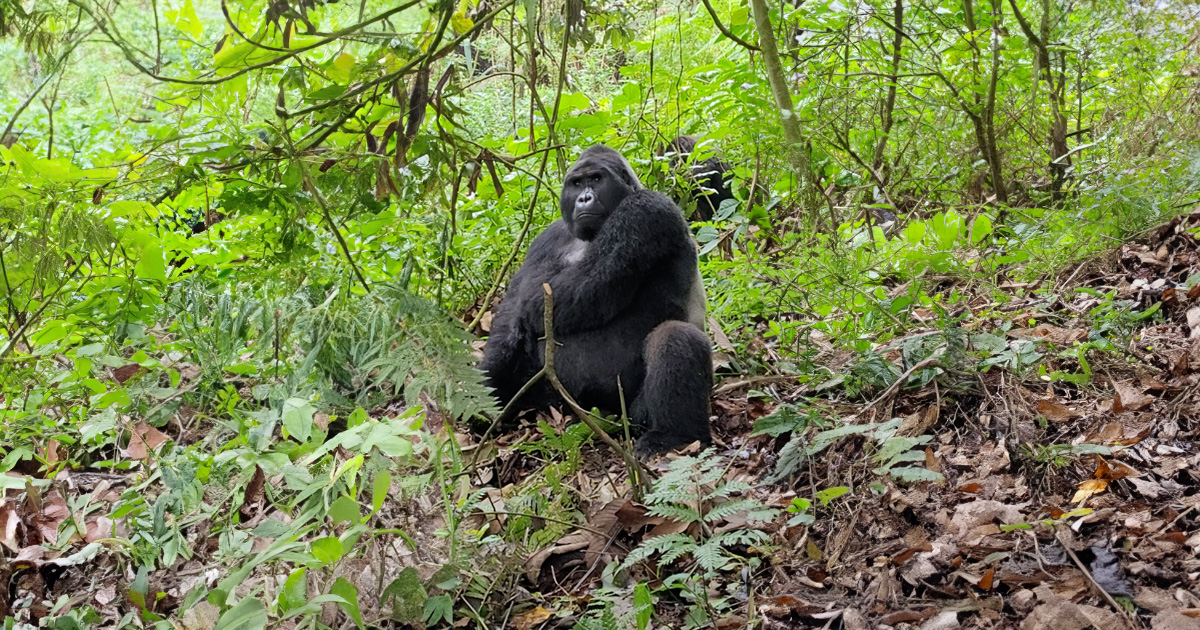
<point>1055,412</point>
<point>1129,397</point>
<point>1088,488</point>
<point>9,520</point>
<point>602,527</point>
<point>125,372</point>
<point>986,582</point>
<point>144,439</point>
<point>531,618</point>
<point>1053,334</point>
<point>98,528</point>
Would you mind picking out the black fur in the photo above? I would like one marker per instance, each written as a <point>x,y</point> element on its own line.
<point>707,179</point>
<point>628,307</point>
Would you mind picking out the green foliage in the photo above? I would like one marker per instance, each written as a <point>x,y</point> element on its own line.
<point>247,229</point>
<point>891,452</point>
<point>694,492</point>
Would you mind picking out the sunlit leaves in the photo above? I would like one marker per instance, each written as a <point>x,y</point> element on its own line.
<point>298,418</point>
<point>152,265</point>
<point>185,20</point>
<point>248,614</point>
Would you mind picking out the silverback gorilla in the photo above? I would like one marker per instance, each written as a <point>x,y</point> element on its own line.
<point>707,179</point>
<point>628,308</point>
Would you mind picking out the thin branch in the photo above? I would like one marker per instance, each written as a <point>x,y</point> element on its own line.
<point>120,43</point>
<point>62,59</point>
<point>512,255</point>
<point>896,384</point>
<point>725,31</point>
<point>638,477</point>
<point>316,193</point>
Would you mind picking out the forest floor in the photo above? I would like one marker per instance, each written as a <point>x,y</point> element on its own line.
<point>1067,503</point>
<point>1069,496</point>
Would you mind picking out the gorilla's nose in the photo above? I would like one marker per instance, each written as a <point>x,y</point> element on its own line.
<point>583,203</point>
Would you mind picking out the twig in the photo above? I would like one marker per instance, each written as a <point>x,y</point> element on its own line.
<point>324,205</point>
<point>891,390</point>
<point>1088,574</point>
<point>512,255</point>
<point>725,31</point>
<point>638,477</point>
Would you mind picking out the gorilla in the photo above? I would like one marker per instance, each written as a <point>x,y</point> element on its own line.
<point>708,179</point>
<point>628,308</point>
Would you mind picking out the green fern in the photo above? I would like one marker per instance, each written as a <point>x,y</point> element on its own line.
<point>890,451</point>
<point>693,492</point>
<point>396,343</point>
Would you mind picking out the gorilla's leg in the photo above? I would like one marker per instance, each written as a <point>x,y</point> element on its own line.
<point>672,403</point>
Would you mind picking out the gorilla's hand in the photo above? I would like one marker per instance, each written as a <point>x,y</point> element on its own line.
<point>646,229</point>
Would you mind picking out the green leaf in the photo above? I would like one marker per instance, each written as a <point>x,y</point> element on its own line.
<point>185,20</point>
<point>785,419</point>
<point>248,614</point>
<point>439,608</point>
<point>408,596</point>
<point>981,228</point>
<point>643,605</point>
<point>341,67</point>
<point>298,418</point>
<point>327,550</point>
<point>344,589</point>
<point>379,490</point>
<point>829,494</point>
<point>52,331</point>
<point>345,510</point>
<point>461,23</point>
<point>152,265</point>
<point>295,590</point>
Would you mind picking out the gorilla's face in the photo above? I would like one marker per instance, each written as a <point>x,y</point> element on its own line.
<point>596,184</point>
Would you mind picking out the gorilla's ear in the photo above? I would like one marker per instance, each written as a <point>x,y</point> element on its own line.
<point>626,173</point>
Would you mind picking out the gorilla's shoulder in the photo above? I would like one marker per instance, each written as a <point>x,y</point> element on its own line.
<point>550,239</point>
<point>651,204</point>
<point>555,230</point>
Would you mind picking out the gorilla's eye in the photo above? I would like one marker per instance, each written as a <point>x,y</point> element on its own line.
<point>595,178</point>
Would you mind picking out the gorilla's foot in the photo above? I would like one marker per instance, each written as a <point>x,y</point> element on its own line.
<point>658,442</point>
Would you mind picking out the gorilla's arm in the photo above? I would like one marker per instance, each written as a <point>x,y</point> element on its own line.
<point>643,232</point>
<point>510,347</point>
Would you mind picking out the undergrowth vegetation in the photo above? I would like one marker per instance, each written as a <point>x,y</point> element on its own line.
<point>246,250</point>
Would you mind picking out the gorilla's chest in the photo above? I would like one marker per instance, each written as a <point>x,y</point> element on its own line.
<point>574,252</point>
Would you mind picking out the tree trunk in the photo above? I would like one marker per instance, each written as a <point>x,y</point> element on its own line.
<point>889,102</point>
<point>1059,151</point>
<point>797,146</point>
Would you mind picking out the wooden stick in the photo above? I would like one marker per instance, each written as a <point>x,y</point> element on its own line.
<point>639,479</point>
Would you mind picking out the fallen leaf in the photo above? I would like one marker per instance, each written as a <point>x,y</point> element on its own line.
<point>98,528</point>
<point>1129,397</point>
<point>125,372</point>
<point>1089,488</point>
<point>143,439</point>
<point>988,578</point>
<point>253,495</point>
<point>531,618</point>
<point>9,520</point>
<point>105,595</point>
<point>591,543</point>
<point>1111,471</point>
<point>1055,412</point>
<point>1053,334</point>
